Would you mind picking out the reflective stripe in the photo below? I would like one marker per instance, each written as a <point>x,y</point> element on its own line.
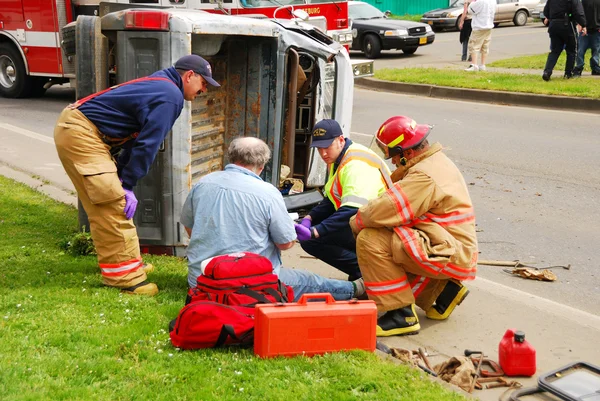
<point>418,285</point>
<point>35,38</point>
<point>387,287</point>
<point>401,201</point>
<point>358,220</point>
<point>450,219</point>
<point>120,269</point>
<point>414,250</point>
<point>396,141</point>
<point>355,199</point>
<point>409,240</point>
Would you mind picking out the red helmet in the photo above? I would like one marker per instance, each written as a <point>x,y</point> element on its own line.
<point>400,133</point>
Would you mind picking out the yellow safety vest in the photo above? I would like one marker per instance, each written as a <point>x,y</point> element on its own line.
<point>361,176</point>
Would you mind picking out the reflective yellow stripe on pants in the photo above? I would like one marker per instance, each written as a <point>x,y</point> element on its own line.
<point>89,165</point>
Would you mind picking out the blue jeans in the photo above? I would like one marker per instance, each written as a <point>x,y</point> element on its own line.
<point>336,249</point>
<point>304,282</point>
<point>589,41</point>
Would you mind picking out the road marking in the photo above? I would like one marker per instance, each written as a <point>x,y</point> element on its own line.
<point>545,305</point>
<point>27,133</point>
<point>360,133</point>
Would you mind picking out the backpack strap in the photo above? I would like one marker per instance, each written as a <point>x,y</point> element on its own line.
<point>256,295</point>
<point>275,294</point>
<point>227,331</point>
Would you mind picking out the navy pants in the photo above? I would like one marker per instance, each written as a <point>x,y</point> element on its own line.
<point>562,37</point>
<point>336,249</point>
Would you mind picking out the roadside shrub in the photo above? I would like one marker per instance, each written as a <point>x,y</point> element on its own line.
<point>79,244</point>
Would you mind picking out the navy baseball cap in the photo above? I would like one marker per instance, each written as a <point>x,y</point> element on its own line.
<point>198,65</point>
<point>324,132</point>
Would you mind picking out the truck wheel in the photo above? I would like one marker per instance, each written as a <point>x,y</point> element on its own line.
<point>14,82</point>
<point>520,18</point>
<point>372,46</point>
<point>409,50</point>
<point>68,39</point>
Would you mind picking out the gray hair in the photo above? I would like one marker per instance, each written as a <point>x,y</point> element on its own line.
<point>249,151</point>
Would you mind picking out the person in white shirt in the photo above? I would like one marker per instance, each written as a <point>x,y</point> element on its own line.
<point>482,23</point>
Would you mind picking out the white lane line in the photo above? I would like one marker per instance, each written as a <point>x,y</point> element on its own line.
<point>27,133</point>
<point>543,304</point>
<point>360,133</point>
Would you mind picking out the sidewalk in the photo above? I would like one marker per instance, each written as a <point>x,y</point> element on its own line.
<point>486,96</point>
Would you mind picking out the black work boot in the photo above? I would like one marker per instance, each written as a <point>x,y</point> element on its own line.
<point>546,75</point>
<point>452,295</point>
<point>398,322</point>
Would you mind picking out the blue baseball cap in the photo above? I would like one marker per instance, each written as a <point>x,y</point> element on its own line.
<point>324,133</point>
<point>198,65</point>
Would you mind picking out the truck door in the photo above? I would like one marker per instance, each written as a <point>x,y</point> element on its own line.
<point>10,11</point>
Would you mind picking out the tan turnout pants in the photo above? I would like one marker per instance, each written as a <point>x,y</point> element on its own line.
<point>91,168</point>
<point>392,278</point>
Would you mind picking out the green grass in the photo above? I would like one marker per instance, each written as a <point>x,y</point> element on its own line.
<point>408,17</point>
<point>63,336</point>
<point>538,62</point>
<point>528,83</point>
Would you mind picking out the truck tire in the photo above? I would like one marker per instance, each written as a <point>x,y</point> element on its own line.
<point>14,81</point>
<point>68,39</point>
<point>371,46</point>
<point>520,18</point>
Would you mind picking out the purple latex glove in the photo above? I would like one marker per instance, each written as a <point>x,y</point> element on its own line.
<point>302,232</point>
<point>130,203</point>
<point>306,222</point>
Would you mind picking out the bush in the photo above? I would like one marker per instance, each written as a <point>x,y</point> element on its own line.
<point>79,244</point>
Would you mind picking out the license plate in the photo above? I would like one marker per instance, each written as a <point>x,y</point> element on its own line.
<point>430,22</point>
<point>422,41</point>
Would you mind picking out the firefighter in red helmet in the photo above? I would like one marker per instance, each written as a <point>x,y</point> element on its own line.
<point>416,243</point>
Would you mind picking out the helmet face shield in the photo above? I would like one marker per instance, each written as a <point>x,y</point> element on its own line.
<point>384,149</point>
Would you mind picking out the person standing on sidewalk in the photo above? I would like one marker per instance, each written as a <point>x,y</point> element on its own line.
<point>416,243</point>
<point>561,19</point>
<point>356,174</point>
<point>136,116</point>
<point>465,28</point>
<point>234,210</point>
<point>591,40</point>
<point>482,23</point>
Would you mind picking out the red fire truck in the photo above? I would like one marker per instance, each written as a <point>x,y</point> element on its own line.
<point>31,58</point>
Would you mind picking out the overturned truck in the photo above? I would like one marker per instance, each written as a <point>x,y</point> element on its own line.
<point>278,77</point>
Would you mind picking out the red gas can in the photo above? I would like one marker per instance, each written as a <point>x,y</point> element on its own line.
<point>516,355</point>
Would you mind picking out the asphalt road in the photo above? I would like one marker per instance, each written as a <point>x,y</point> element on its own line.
<point>507,41</point>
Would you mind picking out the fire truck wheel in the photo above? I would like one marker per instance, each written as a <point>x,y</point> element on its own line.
<point>371,46</point>
<point>14,81</point>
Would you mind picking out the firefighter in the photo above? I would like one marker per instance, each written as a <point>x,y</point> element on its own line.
<point>136,117</point>
<point>416,243</point>
<point>356,174</point>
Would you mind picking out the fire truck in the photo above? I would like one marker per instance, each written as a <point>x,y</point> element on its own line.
<point>31,32</point>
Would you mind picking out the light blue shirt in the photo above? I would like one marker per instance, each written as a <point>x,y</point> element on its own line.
<point>234,211</point>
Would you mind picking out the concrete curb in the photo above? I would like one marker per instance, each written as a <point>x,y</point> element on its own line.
<point>43,186</point>
<point>486,96</point>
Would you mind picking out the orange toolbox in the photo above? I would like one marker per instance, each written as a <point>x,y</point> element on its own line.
<point>311,328</point>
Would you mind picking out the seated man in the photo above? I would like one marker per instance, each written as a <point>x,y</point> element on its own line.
<point>236,211</point>
<point>417,241</point>
<point>356,174</point>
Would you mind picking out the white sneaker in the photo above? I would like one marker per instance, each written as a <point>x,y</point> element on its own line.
<point>472,68</point>
<point>482,68</point>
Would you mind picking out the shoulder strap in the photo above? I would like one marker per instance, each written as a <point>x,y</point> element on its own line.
<point>256,295</point>
<point>133,81</point>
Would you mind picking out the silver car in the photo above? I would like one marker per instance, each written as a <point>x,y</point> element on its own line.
<point>515,11</point>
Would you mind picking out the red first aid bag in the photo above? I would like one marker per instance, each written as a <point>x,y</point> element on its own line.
<point>208,324</point>
<point>243,279</point>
